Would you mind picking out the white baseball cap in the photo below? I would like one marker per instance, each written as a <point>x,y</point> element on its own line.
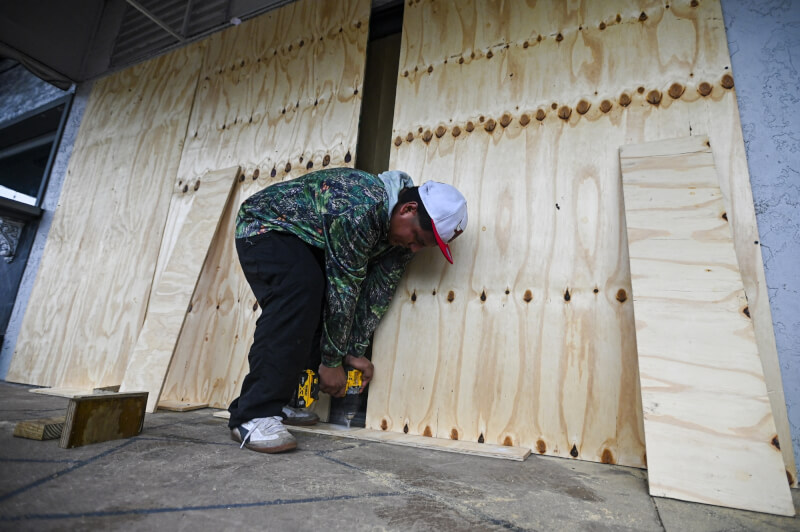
<point>447,208</point>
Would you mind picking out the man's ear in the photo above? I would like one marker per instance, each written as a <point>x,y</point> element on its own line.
<point>409,208</point>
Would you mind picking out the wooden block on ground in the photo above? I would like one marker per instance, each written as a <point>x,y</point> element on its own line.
<point>48,428</point>
<point>180,406</point>
<point>709,428</point>
<point>104,417</point>
<point>410,440</point>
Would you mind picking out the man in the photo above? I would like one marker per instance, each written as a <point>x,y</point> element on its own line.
<point>323,254</point>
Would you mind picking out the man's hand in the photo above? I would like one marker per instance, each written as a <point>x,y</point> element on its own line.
<point>364,365</point>
<point>332,381</point>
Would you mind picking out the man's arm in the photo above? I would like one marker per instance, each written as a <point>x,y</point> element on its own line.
<point>383,276</point>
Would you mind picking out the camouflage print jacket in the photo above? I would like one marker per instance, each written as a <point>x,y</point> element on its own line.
<point>346,213</point>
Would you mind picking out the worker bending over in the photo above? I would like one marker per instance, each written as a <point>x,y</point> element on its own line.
<point>323,254</point>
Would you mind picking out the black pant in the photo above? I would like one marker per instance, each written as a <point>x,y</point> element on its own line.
<point>287,278</point>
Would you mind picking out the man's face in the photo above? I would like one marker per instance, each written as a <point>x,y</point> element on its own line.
<point>405,231</point>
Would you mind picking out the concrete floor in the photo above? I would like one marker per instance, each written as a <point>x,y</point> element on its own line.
<point>184,473</point>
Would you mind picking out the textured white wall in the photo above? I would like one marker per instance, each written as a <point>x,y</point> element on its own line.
<point>764,41</point>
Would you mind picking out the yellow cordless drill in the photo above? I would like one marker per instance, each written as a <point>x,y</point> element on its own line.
<point>308,392</point>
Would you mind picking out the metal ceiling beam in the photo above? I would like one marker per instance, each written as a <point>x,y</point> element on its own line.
<point>186,16</point>
<point>144,11</point>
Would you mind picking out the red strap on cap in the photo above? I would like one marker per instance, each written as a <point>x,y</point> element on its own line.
<point>442,244</point>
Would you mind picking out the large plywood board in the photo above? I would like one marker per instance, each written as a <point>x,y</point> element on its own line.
<point>91,291</point>
<point>708,423</point>
<point>280,96</point>
<point>194,216</point>
<point>529,338</point>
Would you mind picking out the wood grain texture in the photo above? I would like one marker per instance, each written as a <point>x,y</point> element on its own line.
<point>707,418</point>
<point>530,336</point>
<point>280,96</point>
<point>91,291</point>
<point>48,428</point>
<point>104,417</point>
<point>195,212</point>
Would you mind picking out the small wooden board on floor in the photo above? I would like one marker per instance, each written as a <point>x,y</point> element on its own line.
<point>180,406</point>
<point>103,417</point>
<point>48,428</point>
<point>410,440</point>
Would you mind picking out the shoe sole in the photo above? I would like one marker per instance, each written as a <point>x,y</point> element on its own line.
<point>268,450</point>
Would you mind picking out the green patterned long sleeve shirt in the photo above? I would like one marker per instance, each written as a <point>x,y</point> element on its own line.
<point>346,213</point>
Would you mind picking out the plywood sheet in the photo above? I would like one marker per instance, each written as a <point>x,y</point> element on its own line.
<point>707,419</point>
<point>91,291</point>
<point>529,338</point>
<point>195,211</point>
<point>280,96</point>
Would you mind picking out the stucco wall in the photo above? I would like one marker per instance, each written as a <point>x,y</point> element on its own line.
<point>764,41</point>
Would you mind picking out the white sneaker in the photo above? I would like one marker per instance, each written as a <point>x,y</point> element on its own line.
<point>264,435</point>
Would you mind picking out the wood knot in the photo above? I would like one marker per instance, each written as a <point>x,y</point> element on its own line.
<point>559,38</point>
<point>541,446</point>
<point>654,97</point>
<point>624,99</point>
<point>608,457</point>
<point>746,311</point>
<point>490,125</point>
<point>602,26</point>
<point>469,127</point>
<point>409,137</point>
<point>574,451</point>
<point>414,296</point>
<point>527,297</point>
<point>483,295</point>
<point>622,296</point>
<point>185,189</point>
<point>327,159</point>
<point>384,425</point>
<point>642,17</point>
<point>489,54</point>
<point>273,172</point>
<point>676,90</point>
<point>582,107</point>
<point>725,216</point>
<point>554,106</point>
<point>430,69</point>
<point>398,141</point>
<point>727,81</point>
<point>255,306</point>
<point>405,428</point>
<point>704,88</point>
<point>309,165</point>
<point>287,168</point>
<point>427,136</point>
<point>540,114</point>
<point>196,184</point>
<point>453,434</point>
<point>508,442</point>
<point>427,432</point>
<point>605,106</point>
<point>524,120</point>
<point>567,296</point>
<point>450,296</point>
<point>694,3</point>
<point>776,443</point>
<point>525,44</point>
<point>480,438</point>
<point>640,90</point>
<point>347,157</point>
<point>456,131</point>
<point>564,112</point>
<point>441,130</point>
<point>241,178</point>
<point>505,119</point>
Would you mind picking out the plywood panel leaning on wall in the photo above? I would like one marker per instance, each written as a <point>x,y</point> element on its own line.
<point>529,338</point>
<point>280,96</point>
<point>707,419</point>
<point>91,291</point>
<point>194,215</point>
